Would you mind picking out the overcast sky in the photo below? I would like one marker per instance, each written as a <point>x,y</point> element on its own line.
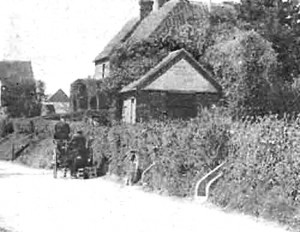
<point>61,37</point>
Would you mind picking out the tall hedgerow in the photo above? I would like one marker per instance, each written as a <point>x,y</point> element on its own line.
<point>262,175</point>
<point>185,149</point>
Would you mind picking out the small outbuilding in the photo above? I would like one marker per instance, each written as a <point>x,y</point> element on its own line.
<point>177,88</point>
<point>60,102</point>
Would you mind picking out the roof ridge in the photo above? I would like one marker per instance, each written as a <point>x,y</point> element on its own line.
<point>60,94</point>
<point>163,65</point>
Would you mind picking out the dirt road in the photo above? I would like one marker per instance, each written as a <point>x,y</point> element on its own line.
<point>32,201</point>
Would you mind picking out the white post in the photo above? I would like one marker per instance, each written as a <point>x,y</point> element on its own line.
<point>209,5</point>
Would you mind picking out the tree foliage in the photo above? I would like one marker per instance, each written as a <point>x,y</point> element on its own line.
<point>278,22</point>
<point>252,48</point>
<point>244,65</point>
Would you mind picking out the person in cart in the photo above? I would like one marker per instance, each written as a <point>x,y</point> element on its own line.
<point>62,130</point>
<point>78,152</point>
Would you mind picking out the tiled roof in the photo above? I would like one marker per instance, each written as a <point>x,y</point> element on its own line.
<point>59,96</point>
<point>153,21</point>
<point>136,30</point>
<point>124,33</point>
<point>164,66</point>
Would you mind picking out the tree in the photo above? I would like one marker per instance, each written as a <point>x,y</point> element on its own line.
<point>244,65</point>
<point>278,22</point>
<point>40,90</point>
<point>20,98</point>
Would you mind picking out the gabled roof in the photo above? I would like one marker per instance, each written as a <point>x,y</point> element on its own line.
<point>165,65</point>
<point>16,71</point>
<point>136,30</point>
<point>154,20</point>
<point>124,33</point>
<point>59,96</point>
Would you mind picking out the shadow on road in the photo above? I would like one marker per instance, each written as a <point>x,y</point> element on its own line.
<point>5,175</point>
<point>4,230</point>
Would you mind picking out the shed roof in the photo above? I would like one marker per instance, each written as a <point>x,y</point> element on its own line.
<point>59,96</point>
<point>147,81</point>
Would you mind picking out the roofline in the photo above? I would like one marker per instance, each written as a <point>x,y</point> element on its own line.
<point>206,74</point>
<point>104,59</point>
<point>171,91</point>
<point>182,54</point>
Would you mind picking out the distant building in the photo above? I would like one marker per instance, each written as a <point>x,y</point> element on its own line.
<point>60,102</point>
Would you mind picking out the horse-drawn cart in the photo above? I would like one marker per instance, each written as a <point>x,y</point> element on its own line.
<point>78,162</point>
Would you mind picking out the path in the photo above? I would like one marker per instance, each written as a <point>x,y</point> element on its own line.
<point>32,201</point>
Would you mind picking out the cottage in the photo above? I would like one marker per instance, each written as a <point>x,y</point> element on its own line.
<point>60,102</point>
<point>178,87</point>
<point>152,23</point>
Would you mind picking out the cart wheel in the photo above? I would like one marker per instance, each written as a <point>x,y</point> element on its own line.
<point>55,165</point>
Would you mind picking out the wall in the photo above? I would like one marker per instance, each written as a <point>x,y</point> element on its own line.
<point>159,104</point>
<point>79,96</point>
<point>150,105</point>
<point>206,100</point>
<point>61,107</point>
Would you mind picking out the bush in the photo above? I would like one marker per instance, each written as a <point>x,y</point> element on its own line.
<point>38,126</point>
<point>186,149</point>
<point>262,175</point>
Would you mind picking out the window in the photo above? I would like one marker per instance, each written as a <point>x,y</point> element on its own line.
<point>103,70</point>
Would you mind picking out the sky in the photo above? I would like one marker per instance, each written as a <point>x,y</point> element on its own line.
<point>61,37</point>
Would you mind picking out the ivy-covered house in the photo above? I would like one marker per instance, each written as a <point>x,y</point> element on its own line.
<point>157,20</point>
<point>152,23</point>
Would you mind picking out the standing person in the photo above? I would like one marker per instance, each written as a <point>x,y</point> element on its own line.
<point>133,174</point>
<point>62,129</point>
<point>61,135</point>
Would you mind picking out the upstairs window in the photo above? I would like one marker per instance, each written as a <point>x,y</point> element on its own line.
<point>103,70</point>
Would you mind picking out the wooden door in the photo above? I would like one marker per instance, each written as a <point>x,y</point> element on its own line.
<point>129,110</point>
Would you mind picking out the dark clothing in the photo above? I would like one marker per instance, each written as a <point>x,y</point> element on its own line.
<point>78,141</point>
<point>78,152</point>
<point>62,131</point>
<point>62,155</point>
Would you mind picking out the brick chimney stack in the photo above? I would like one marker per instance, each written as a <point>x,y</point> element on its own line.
<point>146,6</point>
<point>160,3</point>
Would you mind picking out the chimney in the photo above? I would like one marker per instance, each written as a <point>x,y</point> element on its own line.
<point>160,3</point>
<point>146,6</point>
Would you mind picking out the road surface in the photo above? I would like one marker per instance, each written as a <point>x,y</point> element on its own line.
<point>32,201</point>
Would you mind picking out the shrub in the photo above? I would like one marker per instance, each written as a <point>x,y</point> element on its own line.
<point>186,149</point>
<point>262,176</point>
